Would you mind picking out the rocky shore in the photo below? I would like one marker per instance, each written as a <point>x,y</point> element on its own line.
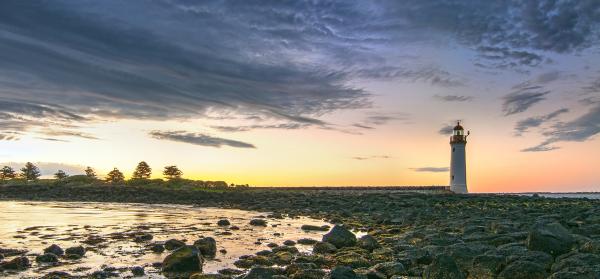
<point>405,235</point>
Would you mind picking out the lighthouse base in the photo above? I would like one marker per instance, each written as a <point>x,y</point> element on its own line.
<point>459,188</point>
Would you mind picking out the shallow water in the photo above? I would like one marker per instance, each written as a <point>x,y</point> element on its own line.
<point>36,225</point>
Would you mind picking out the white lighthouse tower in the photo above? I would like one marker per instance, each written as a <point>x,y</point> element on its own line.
<point>458,163</point>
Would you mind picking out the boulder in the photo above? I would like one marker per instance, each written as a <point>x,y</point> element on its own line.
<point>342,272</point>
<point>551,238</point>
<point>173,244</point>
<point>323,228</point>
<point>57,275</point>
<point>138,271</point>
<point>443,267</point>
<point>157,248</point>
<point>523,270</point>
<point>258,222</point>
<point>324,248</point>
<point>309,274</point>
<point>340,237</point>
<point>207,246</point>
<point>260,272</point>
<point>54,249</point>
<point>185,259</point>
<point>289,242</point>
<point>390,268</point>
<point>486,266</point>
<point>307,241</point>
<point>223,222</point>
<point>47,258</point>
<point>18,263</point>
<point>368,243</point>
<point>77,250</point>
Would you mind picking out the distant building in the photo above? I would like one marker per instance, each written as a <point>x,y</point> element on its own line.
<point>458,163</point>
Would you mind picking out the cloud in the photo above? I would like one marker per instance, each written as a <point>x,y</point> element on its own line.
<point>362,158</point>
<point>504,57</point>
<point>593,87</point>
<point>198,139</point>
<point>447,129</point>
<point>429,75</point>
<point>284,126</point>
<point>523,99</point>
<point>431,169</point>
<point>454,98</point>
<point>532,122</point>
<point>580,129</point>
<point>381,118</point>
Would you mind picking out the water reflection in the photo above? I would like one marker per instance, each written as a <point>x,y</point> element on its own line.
<point>36,225</point>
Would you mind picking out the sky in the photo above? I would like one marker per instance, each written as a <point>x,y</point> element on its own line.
<point>306,93</point>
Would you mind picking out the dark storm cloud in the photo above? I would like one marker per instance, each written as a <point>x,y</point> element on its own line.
<point>580,129</point>
<point>198,139</point>
<point>521,100</point>
<point>533,122</point>
<point>431,169</point>
<point>287,60</point>
<point>454,98</point>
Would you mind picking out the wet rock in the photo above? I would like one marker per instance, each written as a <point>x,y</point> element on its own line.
<point>223,222</point>
<point>260,272</point>
<point>138,271</point>
<point>551,238</point>
<point>351,259</point>
<point>323,228</point>
<point>157,248</point>
<point>295,267</point>
<point>343,272</point>
<point>18,263</point>
<point>173,244</point>
<point>523,270</point>
<point>207,246</point>
<point>486,266</point>
<point>283,257</point>
<point>443,267</point>
<point>54,249</point>
<point>143,237</point>
<point>230,271</point>
<point>207,276</point>
<point>390,268</point>
<point>57,275</point>
<point>234,228</point>
<point>340,237</point>
<point>307,241</point>
<point>258,222</point>
<point>103,274</point>
<point>576,273</point>
<point>185,259</point>
<point>1,257</point>
<point>77,251</point>
<point>289,243</point>
<point>572,260</point>
<point>324,248</point>
<point>368,242</point>
<point>47,258</point>
<point>309,274</point>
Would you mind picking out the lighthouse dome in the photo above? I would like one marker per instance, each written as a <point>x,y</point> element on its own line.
<point>458,127</point>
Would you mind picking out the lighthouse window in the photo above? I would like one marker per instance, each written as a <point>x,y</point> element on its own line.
<point>453,178</point>
<point>452,149</point>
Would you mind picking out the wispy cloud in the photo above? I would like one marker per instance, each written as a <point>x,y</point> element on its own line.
<point>246,128</point>
<point>523,99</point>
<point>431,169</point>
<point>198,139</point>
<point>533,122</point>
<point>362,158</point>
<point>580,129</point>
<point>453,98</point>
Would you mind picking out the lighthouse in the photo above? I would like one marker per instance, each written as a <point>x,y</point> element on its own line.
<point>458,162</point>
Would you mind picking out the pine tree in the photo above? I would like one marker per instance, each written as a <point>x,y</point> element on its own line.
<point>142,171</point>
<point>115,176</point>
<point>60,174</point>
<point>30,172</point>
<point>172,172</point>
<point>7,173</point>
<point>89,172</point>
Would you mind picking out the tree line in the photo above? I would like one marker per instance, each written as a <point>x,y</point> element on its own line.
<point>141,175</point>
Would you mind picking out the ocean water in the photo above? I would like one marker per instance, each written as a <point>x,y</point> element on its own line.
<point>36,225</point>
<point>594,196</point>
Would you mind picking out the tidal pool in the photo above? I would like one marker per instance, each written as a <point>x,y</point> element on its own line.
<point>33,226</point>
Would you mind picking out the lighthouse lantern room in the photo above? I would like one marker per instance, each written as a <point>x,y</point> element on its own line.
<point>458,165</point>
